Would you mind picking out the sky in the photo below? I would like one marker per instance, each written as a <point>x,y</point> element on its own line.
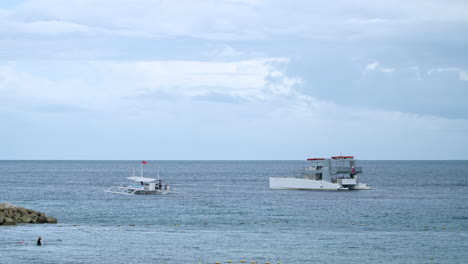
<point>233,79</point>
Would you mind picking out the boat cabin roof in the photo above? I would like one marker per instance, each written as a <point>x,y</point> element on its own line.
<point>343,157</point>
<point>333,158</point>
<point>141,179</point>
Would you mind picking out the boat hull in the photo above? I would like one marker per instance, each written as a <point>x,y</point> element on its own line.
<point>146,192</point>
<point>138,191</point>
<point>359,186</point>
<point>281,183</point>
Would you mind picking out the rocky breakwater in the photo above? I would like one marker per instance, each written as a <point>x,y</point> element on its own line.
<point>11,215</point>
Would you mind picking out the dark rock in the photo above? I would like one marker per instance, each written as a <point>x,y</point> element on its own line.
<point>22,210</point>
<point>9,221</point>
<point>51,220</point>
<point>11,214</point>
<point>26,219</point>
<point>8,212</point>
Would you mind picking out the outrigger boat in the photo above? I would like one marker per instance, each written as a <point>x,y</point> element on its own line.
<point>142,185</point>
<point>336,173</point>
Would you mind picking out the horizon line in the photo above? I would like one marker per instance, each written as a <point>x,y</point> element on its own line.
<point>221,159</point>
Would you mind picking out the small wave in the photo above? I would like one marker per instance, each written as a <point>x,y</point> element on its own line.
<point>460,217</point>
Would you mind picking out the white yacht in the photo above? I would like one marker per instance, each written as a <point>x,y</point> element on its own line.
<point>336,173</point>
<point>142,185</point>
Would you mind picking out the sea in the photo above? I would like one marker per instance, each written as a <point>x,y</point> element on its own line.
<point>223,211</point>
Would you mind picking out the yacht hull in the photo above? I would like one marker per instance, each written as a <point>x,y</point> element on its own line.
<point>281,183</point>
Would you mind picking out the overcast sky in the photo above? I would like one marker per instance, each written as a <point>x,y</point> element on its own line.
<point>233,79</point>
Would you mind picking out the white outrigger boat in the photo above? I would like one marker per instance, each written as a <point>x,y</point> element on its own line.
<point>336,173</point>
<point>142,185</point>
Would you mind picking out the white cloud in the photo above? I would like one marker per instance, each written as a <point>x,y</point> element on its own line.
<point>30,89</point>
<point>387,70</point>
<point>446,69</point>
<point>115,82</point>
<point>462,73</point>
<point>227,52</point>
<point>372,66</point>
<point>246,1</point>
<point>180,87</point>
<point>58,27</point>
<point>241,19</point>
<point>206,19</point>
<point>375,66</point>
<point>245,79</point>
<point>120,96</point>
<point>417,71</point>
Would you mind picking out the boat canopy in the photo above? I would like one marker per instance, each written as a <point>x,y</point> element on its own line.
<point>141,179</point>
<point>343,157</point>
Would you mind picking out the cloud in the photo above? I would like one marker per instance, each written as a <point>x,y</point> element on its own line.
<point>462,73</point>
<point>249,79</point>
<point>57,27</point>
<point>271,66</point>
<point>464,76</point>
<point>253,107</point>
<point>23,90</point>
<point>227,52</point>
<point>387,70</point>
<point>375,66</point>
<point>57,108</point>
<point>372,66</point>
<point>218,97</point>
<point>110,84</point>
<point>417,71</point>
<point>214,19</point>
<point>205,19</point>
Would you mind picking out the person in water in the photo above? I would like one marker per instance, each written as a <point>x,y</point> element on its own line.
<point>39,243</point>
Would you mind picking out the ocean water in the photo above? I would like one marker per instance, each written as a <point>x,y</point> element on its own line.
<point>417,212</point>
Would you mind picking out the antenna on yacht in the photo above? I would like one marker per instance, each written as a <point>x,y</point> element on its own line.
<point>133,171</point>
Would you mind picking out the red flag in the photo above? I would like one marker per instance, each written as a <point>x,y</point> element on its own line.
<point>143,162</point>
